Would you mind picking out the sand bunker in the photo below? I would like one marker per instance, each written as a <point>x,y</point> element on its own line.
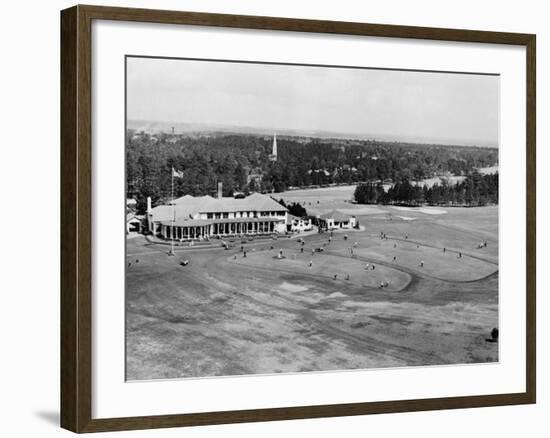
<point>432,211</point>
<point>425,210</point>
<point>291,287</point>
<point>336,295</point>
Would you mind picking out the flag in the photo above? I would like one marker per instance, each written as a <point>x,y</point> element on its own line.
<point>177,173</point>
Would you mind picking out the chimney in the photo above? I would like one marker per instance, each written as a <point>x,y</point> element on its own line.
<point>148,204</point>
<point>220,184</point>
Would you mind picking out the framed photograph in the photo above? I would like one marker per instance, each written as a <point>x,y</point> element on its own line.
<point>269,218</point>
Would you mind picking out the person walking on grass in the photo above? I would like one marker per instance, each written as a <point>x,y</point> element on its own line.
<point>421,263</point>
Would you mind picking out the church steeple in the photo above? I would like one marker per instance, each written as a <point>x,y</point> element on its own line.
<point>273,156</point>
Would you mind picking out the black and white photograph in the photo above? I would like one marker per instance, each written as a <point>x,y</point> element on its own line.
<point>288,218</point>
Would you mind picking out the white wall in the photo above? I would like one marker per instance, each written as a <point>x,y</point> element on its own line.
<point>29,279</point>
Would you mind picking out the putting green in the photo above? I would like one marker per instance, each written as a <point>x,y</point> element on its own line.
<point>325,265</point>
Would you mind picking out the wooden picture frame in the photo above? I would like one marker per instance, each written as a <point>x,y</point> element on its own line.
<point>76,217</point>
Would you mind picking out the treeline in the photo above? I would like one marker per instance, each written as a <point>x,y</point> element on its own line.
<point>241,163</point>
<point>294,208</point>
<point>475,190</point>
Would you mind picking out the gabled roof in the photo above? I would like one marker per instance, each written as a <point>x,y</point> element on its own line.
<point>188,198</point>
<point>187,207</point>
<point>335,215</point>
<point>131,217</point>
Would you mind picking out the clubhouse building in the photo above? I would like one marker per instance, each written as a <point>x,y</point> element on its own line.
<point>205,217</point>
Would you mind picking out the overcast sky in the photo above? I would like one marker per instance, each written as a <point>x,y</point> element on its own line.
<point>418,106</point>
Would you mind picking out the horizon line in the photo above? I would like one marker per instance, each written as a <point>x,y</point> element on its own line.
<point>318,134</point>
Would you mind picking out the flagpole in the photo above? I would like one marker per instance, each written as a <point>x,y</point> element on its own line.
<point>173,215</point>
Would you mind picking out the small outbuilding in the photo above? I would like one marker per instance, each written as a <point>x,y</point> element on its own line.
<point>133,223</point>
<point>336,219</point>
<point>298,224</point>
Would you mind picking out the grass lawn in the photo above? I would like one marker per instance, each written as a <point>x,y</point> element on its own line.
<point>224,314</point>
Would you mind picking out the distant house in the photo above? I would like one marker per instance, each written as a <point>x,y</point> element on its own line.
<point>336,219</point>
<point>131,206</point>
<point>254,175</point>
<point>299,224</point>
<point>324,171</point>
